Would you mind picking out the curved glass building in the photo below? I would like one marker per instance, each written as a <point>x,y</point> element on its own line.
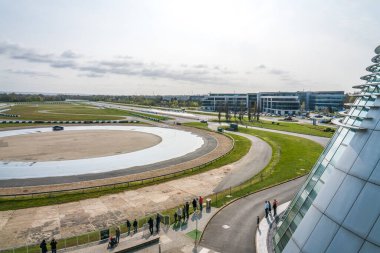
<point>338,207</point>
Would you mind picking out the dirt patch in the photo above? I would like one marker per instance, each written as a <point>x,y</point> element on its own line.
<point>70,145</point>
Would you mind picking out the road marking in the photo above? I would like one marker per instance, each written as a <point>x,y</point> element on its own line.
<point>225,226</point>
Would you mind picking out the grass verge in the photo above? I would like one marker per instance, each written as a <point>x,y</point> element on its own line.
<point>308,129</point>
<point>292,157</point>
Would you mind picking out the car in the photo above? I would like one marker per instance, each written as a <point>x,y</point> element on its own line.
<point>203,121</point>
<point>57,128</point>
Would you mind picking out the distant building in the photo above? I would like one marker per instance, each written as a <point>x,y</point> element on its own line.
<point>276,102</point>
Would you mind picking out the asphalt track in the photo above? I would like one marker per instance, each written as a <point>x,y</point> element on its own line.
<point>233,228</point>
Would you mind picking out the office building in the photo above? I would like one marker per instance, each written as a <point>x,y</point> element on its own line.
<point>281,103</point>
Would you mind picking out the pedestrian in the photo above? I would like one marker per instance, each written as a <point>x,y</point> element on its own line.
<point>43,246</point>
<point>269,208</point>
<point>135,225</point>
<point>187,209</point>
<point>194,205</point>
<point>150,222</point>
<point>175,217</point>
<point>158,220</point>
<point>179,214</point>
<point>266,207</point>
<point>200,203</point>
<point>53,245</point>
<point>117,231</point>
<point>184,212</point>
<point>275,204</point>
<point>258,222</point>
<point>129,227</point>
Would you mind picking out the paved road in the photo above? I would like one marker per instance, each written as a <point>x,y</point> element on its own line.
<point>240,217</point>
<point>252,163</point>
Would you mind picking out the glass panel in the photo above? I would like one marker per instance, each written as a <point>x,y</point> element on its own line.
<point>345,241</point>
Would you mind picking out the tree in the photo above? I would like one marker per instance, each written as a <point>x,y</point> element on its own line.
<point>249,113</point>
<point>219,109</point>
<point>227,112</point>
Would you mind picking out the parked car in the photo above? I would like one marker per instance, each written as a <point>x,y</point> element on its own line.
<point>57,128</point>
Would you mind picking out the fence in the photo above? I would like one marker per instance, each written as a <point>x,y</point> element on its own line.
<point>86,239</point>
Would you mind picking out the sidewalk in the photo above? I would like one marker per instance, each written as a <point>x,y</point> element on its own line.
<point>263,229</point>
<point>175,238</point>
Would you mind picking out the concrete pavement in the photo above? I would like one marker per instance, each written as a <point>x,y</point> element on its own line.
<point>260,152</point>
<point>233,228</point>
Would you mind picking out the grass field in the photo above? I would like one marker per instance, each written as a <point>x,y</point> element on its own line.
<point>291,127</point>
<point>197,125</point>
<point>71,112</point>
<point>292,157</point>
<point>241,147</point>
<point>62,112</point>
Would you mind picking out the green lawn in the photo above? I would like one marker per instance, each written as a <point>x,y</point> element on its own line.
<point>292,127</point>
<point>72,112</point>
<point>241,147</point>
<point>292,157</point>
<point>197,125</point>
<point>44,111</point>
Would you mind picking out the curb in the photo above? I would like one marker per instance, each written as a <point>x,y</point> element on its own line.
<point>232,201</point>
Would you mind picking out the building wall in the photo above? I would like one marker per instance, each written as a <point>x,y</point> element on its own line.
<point>276,102</point>
<point>338,207</point>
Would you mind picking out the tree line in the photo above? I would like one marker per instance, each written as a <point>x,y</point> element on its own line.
<point>138,100</point>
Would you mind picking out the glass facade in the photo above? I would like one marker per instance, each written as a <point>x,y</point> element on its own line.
<point>338,207</point>
<point>276,102</point>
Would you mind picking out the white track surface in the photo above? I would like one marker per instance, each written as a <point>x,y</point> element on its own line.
<point>175,143</point>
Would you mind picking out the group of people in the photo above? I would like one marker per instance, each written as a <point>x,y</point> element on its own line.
<point>183,213</point>
<point>151,223</point>
<point>114,240</point>
<point>268,208</point>
<point>53,246</point>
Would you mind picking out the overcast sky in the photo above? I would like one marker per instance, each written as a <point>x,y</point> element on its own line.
<point>185,47</point>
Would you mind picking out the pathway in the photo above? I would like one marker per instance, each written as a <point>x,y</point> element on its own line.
<point>233,228</point>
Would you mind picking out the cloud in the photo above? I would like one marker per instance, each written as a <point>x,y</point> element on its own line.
<point>70,54</point>
<point>29,73</point>
<point>261,66</point>
<point>120,65</point>
<point>278,72</point>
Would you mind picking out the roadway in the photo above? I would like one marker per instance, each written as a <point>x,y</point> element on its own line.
<point>233,228</point>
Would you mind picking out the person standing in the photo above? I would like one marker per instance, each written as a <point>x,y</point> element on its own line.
<point>53,245</point>
<point>158,220</point>
<point>258,222</point>
<point>43,246</point>
<point>150,222</point>
<point>187,209</point>
<point>200,203</point>
<point>269,208</point>
<point>275,204</point>
<point>135,225</point>
<point>179,214</point>
<point>266,207</point>
<point>117,231</point>
<point>194,205</point>
<point>129,227</point>
<point>184,212</point>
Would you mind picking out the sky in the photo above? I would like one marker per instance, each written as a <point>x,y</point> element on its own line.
<point>163,47</point>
